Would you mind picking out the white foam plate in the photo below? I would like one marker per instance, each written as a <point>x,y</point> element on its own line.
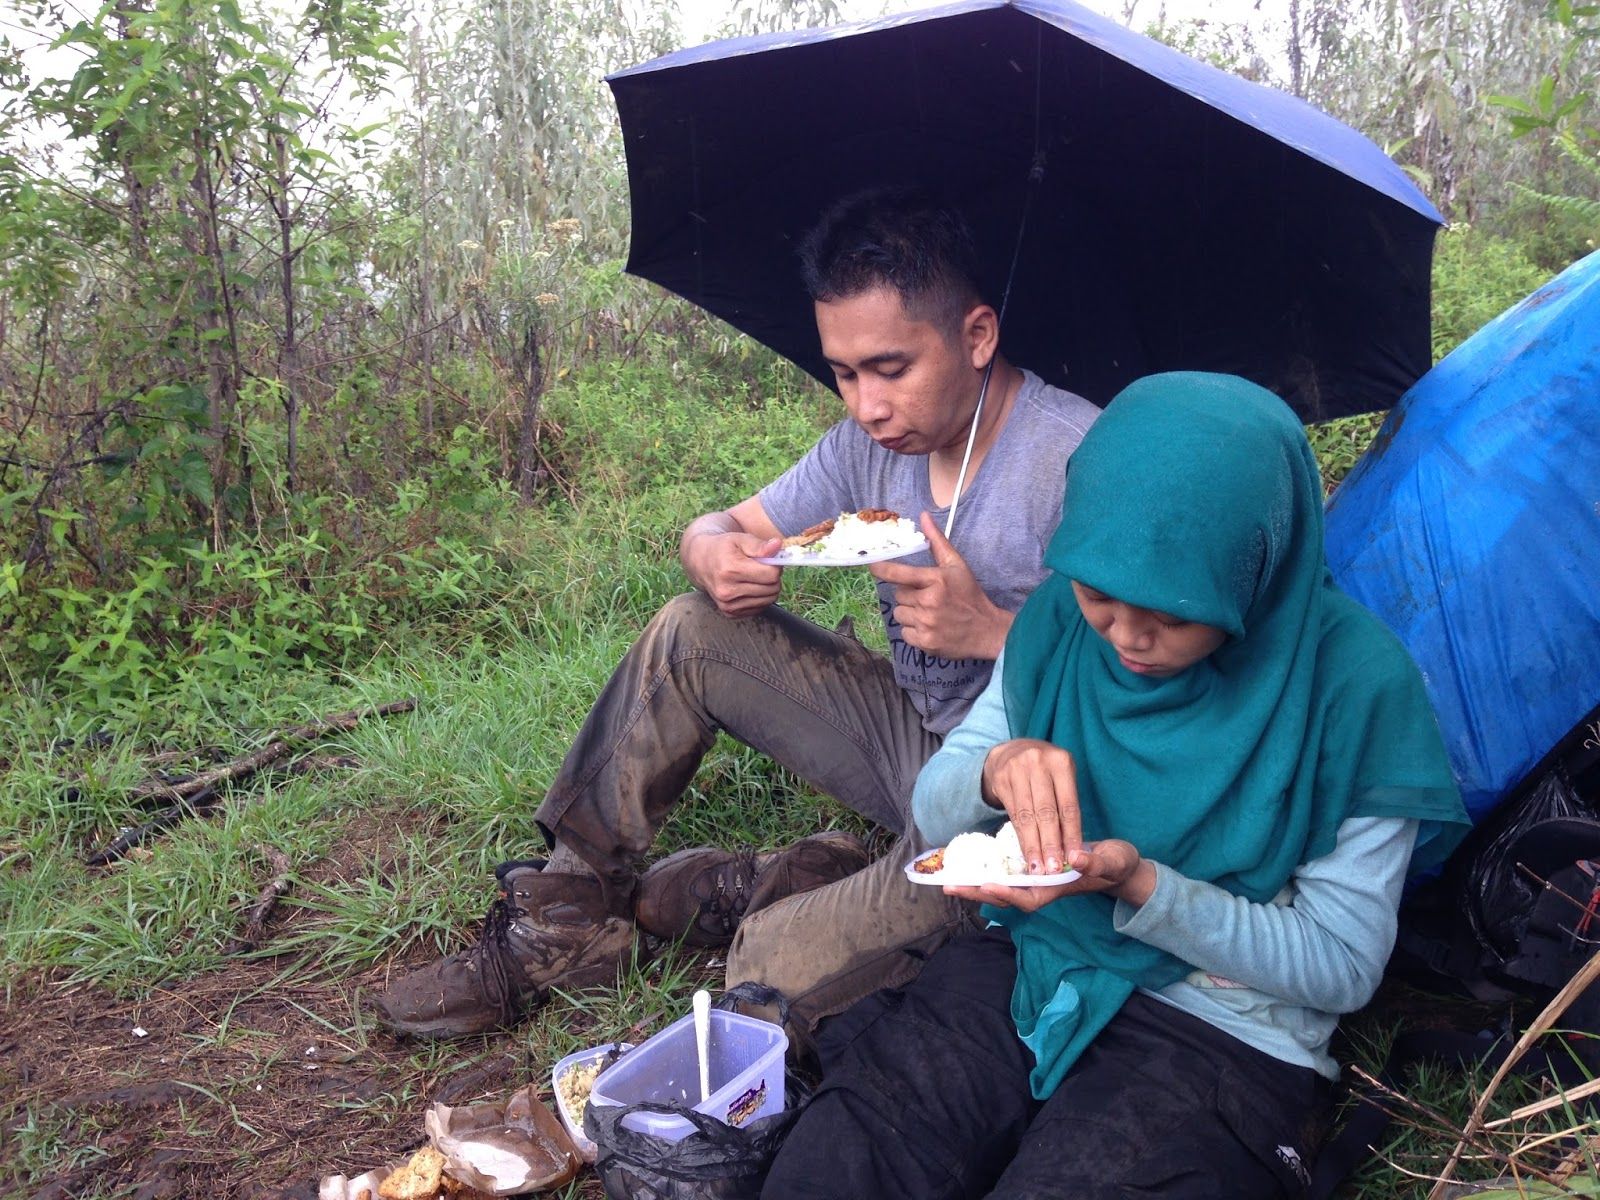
<point>797,556</point>
<point>946,879</point>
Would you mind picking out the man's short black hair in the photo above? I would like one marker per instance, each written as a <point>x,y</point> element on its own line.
<point>899,238</point>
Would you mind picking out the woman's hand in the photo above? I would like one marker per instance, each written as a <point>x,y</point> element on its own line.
<point>1037,785</point>
<point>1111,866</point>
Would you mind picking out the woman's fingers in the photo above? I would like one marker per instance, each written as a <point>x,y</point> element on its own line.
<point>1036,784</point>
<point>1045,859</point>
<point>1064,781</point>
<point>1107,864</point>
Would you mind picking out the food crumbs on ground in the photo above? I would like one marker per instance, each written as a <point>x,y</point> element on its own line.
<point>419,1179</point>
<point>574,1087</point>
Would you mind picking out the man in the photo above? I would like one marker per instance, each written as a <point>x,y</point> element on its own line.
<point>910,338</point>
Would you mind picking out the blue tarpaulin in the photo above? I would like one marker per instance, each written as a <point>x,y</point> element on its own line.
<point>1472,528</point>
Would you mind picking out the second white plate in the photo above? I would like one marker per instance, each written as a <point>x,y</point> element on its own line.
<point>795,556</point>
<point>946,879</point>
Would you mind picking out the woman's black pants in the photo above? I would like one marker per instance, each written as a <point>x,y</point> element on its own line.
<point>925,1095</point>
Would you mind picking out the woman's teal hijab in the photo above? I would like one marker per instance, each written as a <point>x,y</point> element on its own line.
<point>1198,496</point>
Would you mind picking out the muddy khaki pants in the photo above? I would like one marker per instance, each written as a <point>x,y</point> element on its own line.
<point>815,701</point>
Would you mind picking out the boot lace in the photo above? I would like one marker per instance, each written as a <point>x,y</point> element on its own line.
<point>730,895</point>
<point>500,977</point>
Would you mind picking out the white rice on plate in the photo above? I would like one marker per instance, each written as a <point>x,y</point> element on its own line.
<point>979,856</point>
<point>852,535</point>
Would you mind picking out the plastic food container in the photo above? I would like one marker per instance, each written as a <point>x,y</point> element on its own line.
<point>574,1121</point>
<point>746,1074</point>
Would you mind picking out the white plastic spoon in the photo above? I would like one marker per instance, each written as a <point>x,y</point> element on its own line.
<point>702,1040</point>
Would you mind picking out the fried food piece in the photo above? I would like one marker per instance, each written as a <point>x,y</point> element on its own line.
<point>931,865</point>
<point>419,1179</point>
<point>456,1190</point>
<point>807,537</point>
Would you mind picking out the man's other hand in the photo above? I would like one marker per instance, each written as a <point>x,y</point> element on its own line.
<point>941,609</point>
<point>723,566</point>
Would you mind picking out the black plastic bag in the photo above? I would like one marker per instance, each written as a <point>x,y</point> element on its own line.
<point>1499,896</point>
<point>715,1162</point>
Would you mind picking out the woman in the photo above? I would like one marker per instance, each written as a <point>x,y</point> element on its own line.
<point>1238,760</point>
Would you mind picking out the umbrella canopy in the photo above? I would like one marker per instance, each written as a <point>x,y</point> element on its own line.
<point>1183,218</point>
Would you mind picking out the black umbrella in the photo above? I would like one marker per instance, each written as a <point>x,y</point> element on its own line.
<point>1179,217</point>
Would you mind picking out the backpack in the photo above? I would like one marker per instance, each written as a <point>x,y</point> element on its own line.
<point>1514,915</point>
<point>1511,913</point>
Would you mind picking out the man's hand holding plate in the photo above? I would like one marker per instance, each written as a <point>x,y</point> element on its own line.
<point>723,565</point>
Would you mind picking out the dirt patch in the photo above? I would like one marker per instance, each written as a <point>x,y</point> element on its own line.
<point>245,1083</point>
<point>234,1085</point>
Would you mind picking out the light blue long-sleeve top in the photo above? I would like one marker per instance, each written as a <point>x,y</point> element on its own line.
<point>1273,975</point>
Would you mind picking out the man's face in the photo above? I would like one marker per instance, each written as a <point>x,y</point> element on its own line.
<point>1147,642</point>
<point>910,384</point>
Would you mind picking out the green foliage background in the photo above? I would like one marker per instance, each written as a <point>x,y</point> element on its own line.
<point>282,388</point>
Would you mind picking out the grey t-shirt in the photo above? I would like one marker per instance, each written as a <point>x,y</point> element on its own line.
<point>1003,522</point>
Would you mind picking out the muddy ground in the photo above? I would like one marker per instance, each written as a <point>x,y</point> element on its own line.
<point>239,1087</point>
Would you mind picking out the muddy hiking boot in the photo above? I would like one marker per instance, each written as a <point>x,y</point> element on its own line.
<point>545,931</point>
<point>700,895</point>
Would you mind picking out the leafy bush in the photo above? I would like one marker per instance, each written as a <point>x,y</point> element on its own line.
<point>451,555</point>
<point>683,432</point>
<point>1476,277</point>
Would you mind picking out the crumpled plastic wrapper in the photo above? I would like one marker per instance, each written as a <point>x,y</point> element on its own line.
<point>504,1147</point>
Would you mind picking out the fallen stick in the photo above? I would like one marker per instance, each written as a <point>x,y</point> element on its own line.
<point>1541,1025</point>
<point>198,792</point>
<point>249,764</point>
<point>256,918</point>
<point>127,839</point>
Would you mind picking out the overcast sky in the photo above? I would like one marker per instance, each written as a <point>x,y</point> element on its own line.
<point>701,18</point>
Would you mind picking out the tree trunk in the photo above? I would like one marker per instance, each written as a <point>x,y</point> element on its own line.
<point>425,249</point>
<point>223,368</point>
<point>533,389</point>
<point>138,206</point>
<point>288,348</point>
<point>1296,51</point>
